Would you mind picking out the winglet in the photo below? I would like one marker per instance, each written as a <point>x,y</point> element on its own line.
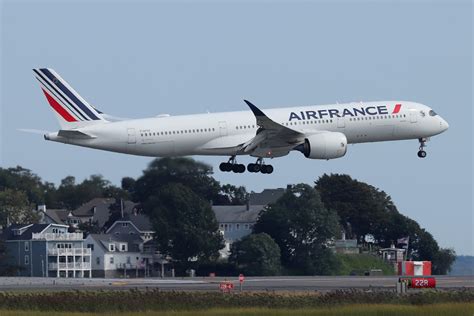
<point>256,111</point>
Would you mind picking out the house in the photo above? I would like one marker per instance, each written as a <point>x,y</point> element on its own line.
<point>235,222</point>
<point>133,224</point>
<point>96,210</point>
<point>118,255</point>
<point>47,250</point>
<point>127,249</point>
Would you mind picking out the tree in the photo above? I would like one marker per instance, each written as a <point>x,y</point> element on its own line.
<point>301,226</point>
<point>256,254</point>
<point>232,195</point>
<point>193,174</point>
<point>73,195</point>
<point>89,228</point>
<point>22,179</point>
<point>15,208</point>
<point>364,209</point>
<point>6,268</point>
<point>186,225</point>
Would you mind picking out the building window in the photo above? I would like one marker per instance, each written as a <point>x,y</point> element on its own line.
<point>97,260</point>
<point>124,224</point>
<point>90,246</point>
<point>27,259</point>
<point>246,226</point>
<point>123,247</point>
<point>128,260</point>
<point>112,247</point>
<point>237,226</point>
<point>111,260</point>
<point>27,246</point>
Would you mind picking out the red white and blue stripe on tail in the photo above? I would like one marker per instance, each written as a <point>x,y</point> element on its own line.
<point>69,106</point>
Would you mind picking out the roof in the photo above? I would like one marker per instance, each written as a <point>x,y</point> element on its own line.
<point>266,197</point>
<point>237,213</point>
<point>98,208</point>
<point>133,241</point>
<point>57,215</point>
<point>141,221</point>
<point>27,234</point>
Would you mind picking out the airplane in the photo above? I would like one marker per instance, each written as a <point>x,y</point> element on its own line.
<point>319,132</point>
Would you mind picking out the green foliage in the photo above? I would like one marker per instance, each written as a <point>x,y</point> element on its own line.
<point>301,226</point>
<point>89,228</point>
<point>187,226</point>
<point>6,269</point>
<point>232,195</point>
<point>115,301</point>
<point>21,179</point>
<point>364,209</point>
<point>358,264</point>
<point>15,208</point>
<point>256,254</point>
<point>187,171</point>
<point>71,195</point>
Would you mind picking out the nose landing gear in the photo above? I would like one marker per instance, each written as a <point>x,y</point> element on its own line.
<point>421,152</point>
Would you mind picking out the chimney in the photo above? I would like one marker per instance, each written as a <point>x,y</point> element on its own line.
<point>42,208</point>
<point>94,209</point>
<point>247,202</point>
<point>121,207</point>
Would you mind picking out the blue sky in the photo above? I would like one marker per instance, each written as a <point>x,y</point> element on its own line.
<point>144,58</point>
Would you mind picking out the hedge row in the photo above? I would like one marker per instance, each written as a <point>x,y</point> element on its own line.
<point>156,300</point>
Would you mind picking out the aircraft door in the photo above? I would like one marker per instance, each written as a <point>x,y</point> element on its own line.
<point>223,128</point>
<point>413,115</point>
<point>131,136</point>
<point>341,123</point>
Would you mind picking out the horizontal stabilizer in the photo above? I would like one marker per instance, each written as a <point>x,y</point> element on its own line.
<point>67,133</point>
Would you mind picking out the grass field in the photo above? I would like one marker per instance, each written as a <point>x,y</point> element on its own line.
<point>358,264</point>
<point>451,309</point>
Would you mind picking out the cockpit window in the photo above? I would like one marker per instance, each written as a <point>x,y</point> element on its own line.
<point>432,113</point>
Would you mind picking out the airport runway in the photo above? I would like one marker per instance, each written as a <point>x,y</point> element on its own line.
<point>290,283</point>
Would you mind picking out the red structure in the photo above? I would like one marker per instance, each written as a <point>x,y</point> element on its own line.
<point>415,268</point>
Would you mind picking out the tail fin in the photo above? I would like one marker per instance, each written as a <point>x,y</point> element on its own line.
<point>71,110</point>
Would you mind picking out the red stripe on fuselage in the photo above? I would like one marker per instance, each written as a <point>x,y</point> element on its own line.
<point>58,108</point>
<point>397,108</point>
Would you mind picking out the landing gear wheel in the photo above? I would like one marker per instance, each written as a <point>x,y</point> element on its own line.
<point>422,154</point>
<point>250,167</point>
<point>238,168</point>
<point>421,151</point>
<point>225,167</point>
<point>267,169</point>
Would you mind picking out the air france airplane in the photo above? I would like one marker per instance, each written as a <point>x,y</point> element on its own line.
<point>319,132</point>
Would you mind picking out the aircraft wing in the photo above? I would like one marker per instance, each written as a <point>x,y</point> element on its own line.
<point>271,136</point>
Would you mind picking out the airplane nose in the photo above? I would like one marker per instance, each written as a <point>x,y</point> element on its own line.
<point>443,125</point>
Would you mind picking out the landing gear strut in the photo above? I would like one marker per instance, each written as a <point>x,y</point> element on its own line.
<point>421,152</point>
<point>259,166</point>
<point>232,165</point>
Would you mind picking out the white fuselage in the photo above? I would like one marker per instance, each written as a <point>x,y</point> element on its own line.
<point>221,133</point>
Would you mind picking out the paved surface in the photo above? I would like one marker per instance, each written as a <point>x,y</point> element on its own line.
<point>310,283</point>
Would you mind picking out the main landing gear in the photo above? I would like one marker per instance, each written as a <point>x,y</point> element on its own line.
<point>232,165</point>
<point>421,152</point>
<point>256,167</point>
<point>259,166</point>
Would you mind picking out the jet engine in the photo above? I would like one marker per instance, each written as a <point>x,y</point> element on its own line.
<point>325,145</point>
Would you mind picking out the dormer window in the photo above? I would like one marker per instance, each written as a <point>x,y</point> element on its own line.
<point>111,247</point>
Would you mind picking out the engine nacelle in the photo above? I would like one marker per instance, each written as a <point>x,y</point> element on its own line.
<point>326,145</point>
